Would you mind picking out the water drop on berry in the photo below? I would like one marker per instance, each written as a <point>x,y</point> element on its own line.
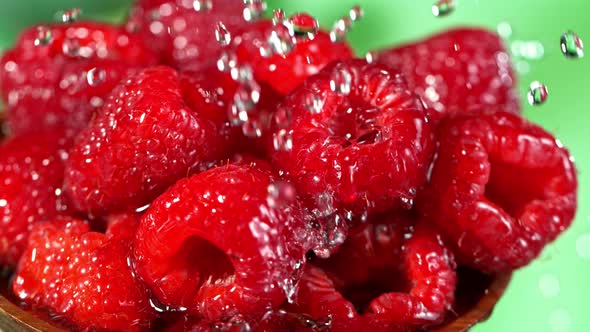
<point>304,25</point>
<point>202,5</point>
<point>227,61</point>
<point>252,128</point>
<point>282,140</point>
<point>278,16</point>
<point>313,103</point>
<point>70,15</point>
<point>371,57</point>
<point>340,29</point>
<point>71,47</point>
<point>280,194</point>
<point>245,99</point>
<point>341,81</point>
<point>44,36</point>
<point>571,45</point>
<point>281,41</point>
<point>254,9</point>
<point>222,35</point>
<point>443,7</point>
<point>538,93</point>
<point>96,76</point>
<point>242,74</point>
<point>356,13</point>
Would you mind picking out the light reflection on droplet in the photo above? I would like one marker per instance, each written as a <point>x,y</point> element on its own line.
<point>537,94</point>
<point>571,45</point>
<point>44,36</point>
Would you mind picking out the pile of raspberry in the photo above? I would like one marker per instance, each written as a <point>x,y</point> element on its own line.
<point>201,168</point>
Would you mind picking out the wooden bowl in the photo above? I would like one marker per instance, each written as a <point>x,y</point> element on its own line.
<point>475,302</point>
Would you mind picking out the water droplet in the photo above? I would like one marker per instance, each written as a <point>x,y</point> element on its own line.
<point>71,47</point>
<point>341,81</point>
<point>242,74</point>
<point>443,7</point>
<point>227,61</point>
<point>504,29</point>
<point>356,13</point>
<point>252,128</point>
<point>340,29</point>
<point>70,15</point>
<point>202,5</point>
<point>44,36</point>
<point>245,99</point>
<point>281,41</point>
<point>571,45</point>
<point>537,94</point>
<point>304,25</point>
<point>222,35</point>
<point>313,103</point>
<point>280,194</point>
<point>254,9</point>
<point>96,76</point>
<point>278,16</point>
<point>283,140</point>
<point>371,56</point>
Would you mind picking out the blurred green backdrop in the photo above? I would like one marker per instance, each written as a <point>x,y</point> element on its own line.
<point>552,294</point>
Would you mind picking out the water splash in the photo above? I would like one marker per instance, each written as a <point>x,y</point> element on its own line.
<point>538,93</point>
<point>254,9</point>
<point>222,35</point>
<point>571,45</point>
<point>443,7</point>
<point>44,36</point>
<point>96,76</point>
<point>70,15</point>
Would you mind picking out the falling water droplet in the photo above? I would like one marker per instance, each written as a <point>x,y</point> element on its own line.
<point>280,194</point>
<point>356,13</point>
<point>222,35</point>
<point>254,9</point>
<point>96,76</point>
<point>313,103</point>
<point>70,15</point>
<point>304,25</point>
<point>341,81</point>
<point>202,5</point>
<point>283,140</point>
<point>340,29</point>
<point>71,47</point>
<point>571,45</point>
<point>443,7</point>
<point>278,16</point>
<point>538,93</point>
<point>44,36</point>
<point>371,56</point>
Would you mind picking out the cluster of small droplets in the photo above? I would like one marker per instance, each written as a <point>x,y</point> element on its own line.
<point>537,94</point>
<point>202,5</point>
<point>443,7</point>
<point>344,24</point>
<point>70,15</point>
<point>341,81</point>
<point>281,194</point>
<point>571,45</point>
<point>44,36</point>
<point>254,9</point>
<point>96,76</point>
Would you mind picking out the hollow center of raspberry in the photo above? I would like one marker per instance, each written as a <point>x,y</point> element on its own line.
<point>385,280</point>
<point>355,124</point>
<point>204,262</point>
<point>512,187</point>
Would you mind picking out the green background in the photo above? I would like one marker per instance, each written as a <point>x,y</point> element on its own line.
<point>552,294</point>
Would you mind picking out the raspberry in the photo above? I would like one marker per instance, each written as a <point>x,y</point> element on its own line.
<point>284,72</point>
<point>458,70</point>
<point>384,275</point>
<point>66,80</point>
<point>183,36</point>
<point>363,149</point>
<point>152,131</point>
<point>501,188</point>
<point>82,277</point>
<point>31,174</point>
<point>213,244</point>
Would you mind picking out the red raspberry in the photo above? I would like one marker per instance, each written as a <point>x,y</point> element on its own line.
<point>31,174</point>
<point>380,301</point>
<point>457,70</point>
<point>215,245</point>
<point>64,80</point>
<point>152,131</point>
<point>183,36</point>
<point>363,149</point>
<point>83,277</point>
<point>501,188</point>
<point>284,72</point>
